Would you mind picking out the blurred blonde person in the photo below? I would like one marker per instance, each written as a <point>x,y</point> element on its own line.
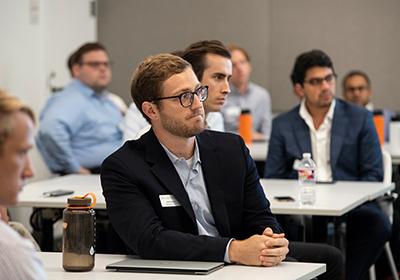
<point>18,258</point>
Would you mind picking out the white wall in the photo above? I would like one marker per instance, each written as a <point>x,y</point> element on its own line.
<point>154,26</point>
<point>356,34</point>
<point>21,55</point>
<point>67,24</point>
<point>37,36</point>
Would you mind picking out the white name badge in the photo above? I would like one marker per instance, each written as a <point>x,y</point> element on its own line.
<point>168,200</point>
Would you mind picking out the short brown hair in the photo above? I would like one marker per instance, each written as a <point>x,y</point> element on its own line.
<point>76,56</point>
<point>196,53</point>
<point>233,47</point>
<point>10,105</point>
<point>149,76</point>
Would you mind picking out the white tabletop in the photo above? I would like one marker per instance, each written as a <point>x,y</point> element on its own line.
<point>32,194</point>
<point>258,150</point>
<point>285,271</point>
<point>331,199</point>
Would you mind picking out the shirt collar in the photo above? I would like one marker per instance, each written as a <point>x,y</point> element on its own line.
<point>235,90</point>
<point>174,159</point>
<point>369,107</point>
<point>88,91</point>
<point>304,114</point>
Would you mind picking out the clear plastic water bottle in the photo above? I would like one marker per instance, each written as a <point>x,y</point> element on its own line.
<point>307,180</point>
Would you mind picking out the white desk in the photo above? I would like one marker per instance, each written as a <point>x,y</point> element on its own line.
<point>331,199</point>
<point>32,194</point>
<point>285,271</point>
<point>258,150</point>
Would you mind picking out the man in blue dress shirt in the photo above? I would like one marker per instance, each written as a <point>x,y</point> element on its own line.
<point>80,125</point>
<point>246,95</point>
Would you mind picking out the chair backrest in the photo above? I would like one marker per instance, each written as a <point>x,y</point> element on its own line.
<point>385,204</point>
<point>387,166</point>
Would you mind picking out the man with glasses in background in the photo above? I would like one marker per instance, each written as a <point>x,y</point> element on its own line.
<point>80,126</point>
<point>357,89</point>
<point>344,146</point>
<point>356,86</point>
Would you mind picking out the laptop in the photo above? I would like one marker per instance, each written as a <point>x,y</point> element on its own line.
<point>136,264</point>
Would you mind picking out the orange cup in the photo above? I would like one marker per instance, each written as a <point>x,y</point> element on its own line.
<point>379,122</point>
<point>246,126</point>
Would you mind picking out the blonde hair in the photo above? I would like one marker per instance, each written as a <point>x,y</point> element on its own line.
<point>10,105</point>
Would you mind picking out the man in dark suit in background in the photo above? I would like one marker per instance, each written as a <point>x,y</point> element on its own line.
<point>182,192</point>
<point>344,145</point>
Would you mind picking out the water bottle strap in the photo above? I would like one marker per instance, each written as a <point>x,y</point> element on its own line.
<point>94,199</point>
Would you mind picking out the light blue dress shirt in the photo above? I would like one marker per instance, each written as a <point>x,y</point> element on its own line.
<point>192,179</point>
<point>78,128</point>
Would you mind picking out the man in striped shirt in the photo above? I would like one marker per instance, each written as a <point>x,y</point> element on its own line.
<point>18,258</point>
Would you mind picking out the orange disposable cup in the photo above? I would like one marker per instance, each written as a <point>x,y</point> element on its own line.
<point>379,122</point>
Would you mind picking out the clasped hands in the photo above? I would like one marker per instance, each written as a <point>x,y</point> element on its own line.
<point>268,249</point>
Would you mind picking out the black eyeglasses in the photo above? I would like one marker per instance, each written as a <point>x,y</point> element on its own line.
<point>318,81</point>
<point>187,98</point>
<point>354,89</point>
<point>97,64</point>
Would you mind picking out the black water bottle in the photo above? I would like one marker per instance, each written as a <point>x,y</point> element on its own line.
<point>79,234</point>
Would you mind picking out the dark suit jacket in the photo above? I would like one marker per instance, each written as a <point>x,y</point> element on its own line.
<point>139,172</point>
<point>355,153</point>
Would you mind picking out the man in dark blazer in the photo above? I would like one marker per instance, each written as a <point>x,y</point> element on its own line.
<point>182,192</point>
<point>355,154</point>
<point>148,203</point>
<point>345,146</point>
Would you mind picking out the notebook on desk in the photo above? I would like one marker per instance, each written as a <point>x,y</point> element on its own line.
<point>135,264</point>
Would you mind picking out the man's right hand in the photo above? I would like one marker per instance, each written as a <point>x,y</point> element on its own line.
<point>268,249</point>
<point>248,251</point>
<point>277,248</point>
